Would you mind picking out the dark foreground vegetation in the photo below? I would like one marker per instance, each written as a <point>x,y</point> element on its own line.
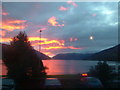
<point>107,75</point>
<point>22,63</point>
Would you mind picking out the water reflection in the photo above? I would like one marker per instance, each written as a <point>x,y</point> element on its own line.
<point>59,67</point>
<point>3,69</point>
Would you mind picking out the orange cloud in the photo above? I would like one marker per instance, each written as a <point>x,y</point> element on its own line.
<point>37,39</point>
<point>72,3</point>
<point>48,42</point>
<point>53,22</point>
<point>2,33</point>
<point>29,39</point>
<point>61,47</point>
<point>59,43</point>
<point>71,47</point>
<point>62,8</point>
<point>2,40</point>
<point>53,41</point>
<point>10,25</point>
<point>16,21</point>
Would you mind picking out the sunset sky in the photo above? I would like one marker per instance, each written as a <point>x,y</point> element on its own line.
<point>67,27</point>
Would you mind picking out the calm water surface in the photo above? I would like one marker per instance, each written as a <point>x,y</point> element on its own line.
<point>59,67</point>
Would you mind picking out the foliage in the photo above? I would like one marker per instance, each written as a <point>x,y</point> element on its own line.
<point>102,71</point>
<point>21,59</point>
<point>21,41</point>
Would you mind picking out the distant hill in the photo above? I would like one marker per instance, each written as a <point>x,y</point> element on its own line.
<point>41,55</point>
<point>111,54</point>
<point>71,56</point>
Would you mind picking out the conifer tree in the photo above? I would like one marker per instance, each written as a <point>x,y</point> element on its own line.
<point>21,60</point>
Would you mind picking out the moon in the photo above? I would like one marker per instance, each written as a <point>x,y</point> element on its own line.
<point>91,37</point>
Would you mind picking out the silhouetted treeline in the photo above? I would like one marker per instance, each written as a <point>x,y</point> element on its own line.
<point>102,71</point>
<point>21,59</point>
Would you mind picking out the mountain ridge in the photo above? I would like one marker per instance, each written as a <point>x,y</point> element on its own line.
<point>110,54</point>
<point>71,56</point>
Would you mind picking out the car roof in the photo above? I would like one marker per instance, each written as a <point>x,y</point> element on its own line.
<point>90,79</point>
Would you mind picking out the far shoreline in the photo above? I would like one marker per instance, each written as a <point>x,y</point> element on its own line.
<point>84,60</point>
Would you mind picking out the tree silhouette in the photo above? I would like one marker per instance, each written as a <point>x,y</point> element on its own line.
<point>102,71</point>
<point>21,60</point>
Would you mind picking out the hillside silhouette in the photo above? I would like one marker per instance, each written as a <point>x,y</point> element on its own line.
<point>41,55</point>
<point>110,54</point>
<point>71,56</point>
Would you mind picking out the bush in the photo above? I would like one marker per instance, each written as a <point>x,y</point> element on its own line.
<point>102,71</point>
